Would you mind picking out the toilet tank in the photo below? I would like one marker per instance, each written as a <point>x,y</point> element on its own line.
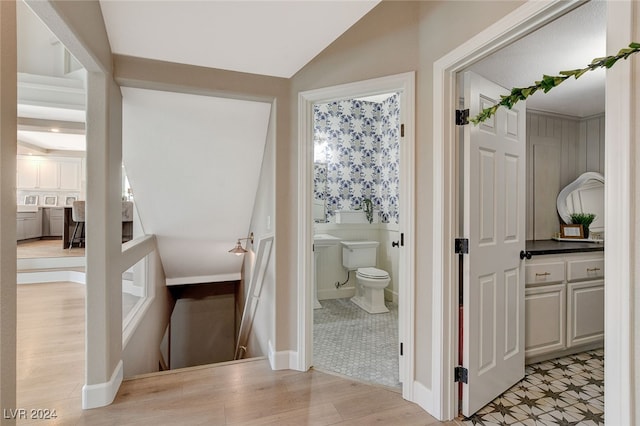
<point>359,254</point>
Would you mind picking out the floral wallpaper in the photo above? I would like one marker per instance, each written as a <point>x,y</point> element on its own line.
<point>356,154</point>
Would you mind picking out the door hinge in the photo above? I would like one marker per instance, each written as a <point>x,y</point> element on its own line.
<point>401,349</point>
<point>461,374</point>
<point>402,130</point>
<point>462,117</point>
<point>462,246</point>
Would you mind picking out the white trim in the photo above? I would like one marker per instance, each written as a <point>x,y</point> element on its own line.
<point>283,360</point>
<point>102,394</point>
<point>37,277</point>
<point>621,374</point>
<point>336,293</point>
<point>404,83</point>
<point>391,295</point>
<point>515,25</point>
<point>51,263</point>
<point>424,397</point>
<point>236,276</point>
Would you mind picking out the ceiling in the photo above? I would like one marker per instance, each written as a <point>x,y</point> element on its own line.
<point>275,38</point>
<point>571,41</point>
<point>263,37</point>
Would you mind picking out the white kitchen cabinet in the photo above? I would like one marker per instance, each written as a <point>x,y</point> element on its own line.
<point>564,303</point>
<point>29,225</point>
<point>544,319</point>
<point>52,221</point>
<point>70,171</point>
<point>27,170</point>
<point>49,173</point>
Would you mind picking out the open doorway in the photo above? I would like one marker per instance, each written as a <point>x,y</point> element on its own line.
<point>347,199</point>
<point>50,167</point>
<point>564,139</point>
<point>356,199</point>
<point>51,145</point>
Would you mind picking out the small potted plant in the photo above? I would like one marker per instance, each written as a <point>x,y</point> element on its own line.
<point>584,219</point>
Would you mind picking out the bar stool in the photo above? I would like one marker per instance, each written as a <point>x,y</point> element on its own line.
<point>77,215</point>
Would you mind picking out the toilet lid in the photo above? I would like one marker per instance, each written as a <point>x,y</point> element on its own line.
<point>372,273</point>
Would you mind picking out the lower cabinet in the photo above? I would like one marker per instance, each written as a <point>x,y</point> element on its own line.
<point>564,303</point>
<point>52,221</point>
<point>585,312</point>
<point>545,319</point>
<point>29,225</point>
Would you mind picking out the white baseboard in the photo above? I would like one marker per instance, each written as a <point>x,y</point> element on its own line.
<point>283,360</point>
<point>102,394</point>
<point>38,277</point>
<point>51,262</point>
<point>336,293</point>
<point>389,294</point>
<point>51,277</point>
<point>426,399</point>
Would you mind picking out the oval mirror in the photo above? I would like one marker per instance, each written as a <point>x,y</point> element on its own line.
<point>583,195</point>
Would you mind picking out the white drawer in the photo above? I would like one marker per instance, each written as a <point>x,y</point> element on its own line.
<point>588,269</point>
<point>544,273</point>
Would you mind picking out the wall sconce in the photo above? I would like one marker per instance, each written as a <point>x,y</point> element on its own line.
<point>238,250</point>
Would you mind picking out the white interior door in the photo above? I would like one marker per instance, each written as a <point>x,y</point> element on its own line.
<point>494,223</point>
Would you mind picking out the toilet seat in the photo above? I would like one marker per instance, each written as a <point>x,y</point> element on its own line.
<point>372,273</point>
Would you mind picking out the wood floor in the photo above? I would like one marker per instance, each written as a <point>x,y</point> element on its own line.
<point>51,374</point>
<point>45,248</point>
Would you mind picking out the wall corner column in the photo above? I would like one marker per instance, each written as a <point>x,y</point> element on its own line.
<point>8,147</point>
<point>104,370</point>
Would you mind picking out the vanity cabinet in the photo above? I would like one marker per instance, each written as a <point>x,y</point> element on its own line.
<point>564,303</point>
<point>585,312</point>
<point>545,321</point>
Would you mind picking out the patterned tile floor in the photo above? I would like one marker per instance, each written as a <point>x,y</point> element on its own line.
<point>562,391</point>
<point>354,343</point>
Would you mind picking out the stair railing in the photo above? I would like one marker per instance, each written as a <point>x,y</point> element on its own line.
<point>252,298</point>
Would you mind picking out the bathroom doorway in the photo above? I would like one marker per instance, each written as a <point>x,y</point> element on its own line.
<point>357,184</point>
<point>356,166</point>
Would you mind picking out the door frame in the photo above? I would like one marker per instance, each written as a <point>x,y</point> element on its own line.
<point>618,192</point>
<point>404,83</point>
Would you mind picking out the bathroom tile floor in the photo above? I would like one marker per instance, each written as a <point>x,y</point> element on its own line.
<point>349,341</point>
<point>562,391</point>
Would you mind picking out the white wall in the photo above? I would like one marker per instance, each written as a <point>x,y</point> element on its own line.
<point>329,267</point>
<point>39,51</point>
<point>141,354</point>
<point>393,38</point>
<point>559,149</point>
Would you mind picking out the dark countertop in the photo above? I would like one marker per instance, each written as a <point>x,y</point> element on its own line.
<point>542,247</point>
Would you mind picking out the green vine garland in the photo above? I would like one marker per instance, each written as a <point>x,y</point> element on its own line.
<point>548,82</point>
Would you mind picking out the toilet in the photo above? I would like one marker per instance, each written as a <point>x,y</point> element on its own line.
<point>360,256</point>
